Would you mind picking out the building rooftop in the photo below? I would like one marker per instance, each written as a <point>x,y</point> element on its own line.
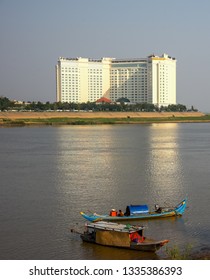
<point>118,60</point>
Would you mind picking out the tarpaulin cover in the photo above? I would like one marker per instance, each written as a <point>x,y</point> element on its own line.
<point>138,209</point>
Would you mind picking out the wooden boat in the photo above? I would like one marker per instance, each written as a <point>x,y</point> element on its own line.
<point>120,235</point>
<point>136,212</point>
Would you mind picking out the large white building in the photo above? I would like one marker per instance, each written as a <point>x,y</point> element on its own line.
<point>151,80</point>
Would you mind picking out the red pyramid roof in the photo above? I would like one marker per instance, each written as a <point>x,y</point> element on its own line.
<point>103,100</point>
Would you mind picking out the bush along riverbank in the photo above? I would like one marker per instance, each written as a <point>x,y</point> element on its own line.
<point>186,253</point>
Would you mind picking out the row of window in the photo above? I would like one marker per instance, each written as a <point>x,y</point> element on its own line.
<point>130,82</point>
<point>96,71</point>
<point>69,68</point>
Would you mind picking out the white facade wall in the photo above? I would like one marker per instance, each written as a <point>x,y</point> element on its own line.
<point>69,82</point>
<point>129,80</point>
<point>150,80</point>
<point>162,77</point>
<point>82,80</point>
<point>98,79</point>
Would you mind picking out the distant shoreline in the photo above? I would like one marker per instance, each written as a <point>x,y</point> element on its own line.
<point>11,118</point>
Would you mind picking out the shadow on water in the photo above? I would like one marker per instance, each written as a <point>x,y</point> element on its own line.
<point>108,253</point>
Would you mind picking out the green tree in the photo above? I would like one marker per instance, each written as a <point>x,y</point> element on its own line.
<point>5,103</point>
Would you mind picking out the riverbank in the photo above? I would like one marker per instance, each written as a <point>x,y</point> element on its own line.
<point>72,118</point>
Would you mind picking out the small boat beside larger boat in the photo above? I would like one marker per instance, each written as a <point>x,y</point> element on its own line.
<point>119,235</point>
<point>135,212</point>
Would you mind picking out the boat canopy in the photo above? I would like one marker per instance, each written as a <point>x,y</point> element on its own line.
<point>108,226</point>
<point>137,209</point>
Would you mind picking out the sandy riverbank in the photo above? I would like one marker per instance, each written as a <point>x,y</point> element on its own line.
<point>84,115</point>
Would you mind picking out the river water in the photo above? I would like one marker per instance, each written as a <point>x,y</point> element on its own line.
<point>50,174</point>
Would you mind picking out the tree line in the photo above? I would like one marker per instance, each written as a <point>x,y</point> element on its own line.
<point>6,105</point>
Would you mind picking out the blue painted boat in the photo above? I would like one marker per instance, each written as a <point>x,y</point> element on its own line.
<point>137,212</point>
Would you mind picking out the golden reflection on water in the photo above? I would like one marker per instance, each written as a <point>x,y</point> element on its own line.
<point>164,161</point>
<point>86,160</point>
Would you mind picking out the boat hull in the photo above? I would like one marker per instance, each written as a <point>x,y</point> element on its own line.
<point>146,245</point>
<point>176,211</point>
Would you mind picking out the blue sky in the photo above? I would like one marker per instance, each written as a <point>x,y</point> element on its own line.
<point>34,33</point>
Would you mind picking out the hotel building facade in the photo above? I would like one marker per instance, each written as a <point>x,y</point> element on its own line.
<point>151,80</point>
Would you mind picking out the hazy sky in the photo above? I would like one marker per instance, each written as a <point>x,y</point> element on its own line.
<point>34,33</point>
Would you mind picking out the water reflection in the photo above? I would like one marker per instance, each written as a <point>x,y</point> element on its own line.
<point>164,162</point>
<point>85,165</point>
<point>100,164</point>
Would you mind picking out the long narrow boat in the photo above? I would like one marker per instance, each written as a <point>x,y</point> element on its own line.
<point>121,236</point>
<point>136,212</point>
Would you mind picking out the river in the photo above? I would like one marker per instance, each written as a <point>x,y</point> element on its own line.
<point>50,174</point>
